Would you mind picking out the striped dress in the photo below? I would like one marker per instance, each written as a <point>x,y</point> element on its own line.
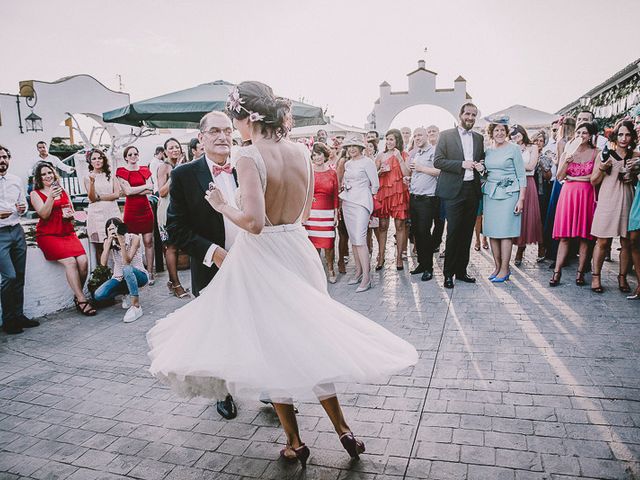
<point>321,223</point>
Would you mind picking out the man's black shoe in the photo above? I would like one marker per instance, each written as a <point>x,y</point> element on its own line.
<point>25,322</point>
<point>465,278</point>
<point>448,282</point>
<point>11,328</point>
<point>426,276</point>
<point>227,408</point>
<point>418,269</point>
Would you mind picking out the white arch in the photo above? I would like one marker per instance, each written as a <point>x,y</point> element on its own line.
<point>422,90</point>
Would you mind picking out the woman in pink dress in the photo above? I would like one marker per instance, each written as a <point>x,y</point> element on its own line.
<point>531,222</point>
<point>321,224</point>
<point>576,204</point>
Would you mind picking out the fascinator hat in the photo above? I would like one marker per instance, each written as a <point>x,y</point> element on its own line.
<point>498,119</point>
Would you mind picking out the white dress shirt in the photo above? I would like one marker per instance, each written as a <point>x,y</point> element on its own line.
<point>227,186</point>
<point>55,161</point>
<point>11,192</point>
<point>467,147</point>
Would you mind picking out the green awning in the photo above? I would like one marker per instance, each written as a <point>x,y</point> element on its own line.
<point>185,108</point>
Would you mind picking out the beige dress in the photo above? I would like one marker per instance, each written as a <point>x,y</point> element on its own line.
<point>611,218</point>
<point>99,212</point>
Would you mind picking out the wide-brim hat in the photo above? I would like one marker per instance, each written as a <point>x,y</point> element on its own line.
<point>354,140</point>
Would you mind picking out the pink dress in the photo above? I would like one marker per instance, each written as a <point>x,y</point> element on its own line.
<point>577,203</point>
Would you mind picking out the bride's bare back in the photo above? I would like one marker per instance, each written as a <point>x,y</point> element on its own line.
<point>288,182</point>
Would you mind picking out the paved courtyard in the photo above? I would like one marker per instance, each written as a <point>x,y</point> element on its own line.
<point>515,381</point>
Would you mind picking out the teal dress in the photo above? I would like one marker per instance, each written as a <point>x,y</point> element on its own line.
<point>634,214</point>
<point>501,191</point>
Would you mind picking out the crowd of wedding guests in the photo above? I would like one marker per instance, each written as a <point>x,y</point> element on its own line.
<point>568,190</point>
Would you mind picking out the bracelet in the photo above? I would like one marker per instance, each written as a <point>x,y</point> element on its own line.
<point>98,197</point>
<point>602,169</point>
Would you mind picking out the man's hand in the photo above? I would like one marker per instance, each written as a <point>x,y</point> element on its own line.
<point>21,208</point>
<point>218,256</point>
<point>467,165</point>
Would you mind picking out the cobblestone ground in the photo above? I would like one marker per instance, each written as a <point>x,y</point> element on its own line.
<point>515,381</point>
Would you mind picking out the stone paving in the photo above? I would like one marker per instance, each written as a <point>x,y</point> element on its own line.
<point>515,381</point>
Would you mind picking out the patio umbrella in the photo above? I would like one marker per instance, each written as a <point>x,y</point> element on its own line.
<point>185,108</point>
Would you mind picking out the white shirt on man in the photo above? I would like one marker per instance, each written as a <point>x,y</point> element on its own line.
<point>227,186</point>
<point>467,147</point>
<point>11,192</point>
<point>55,161</point>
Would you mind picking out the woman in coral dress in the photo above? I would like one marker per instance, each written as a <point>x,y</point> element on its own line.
<point>55,233</point>
<point>136,183</point>
<point>321,224</point>
<point>576,204</point>
<point>393,195</point>
<point>611,218</point>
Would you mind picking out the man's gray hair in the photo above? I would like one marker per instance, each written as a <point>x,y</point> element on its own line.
<point>205,120</point>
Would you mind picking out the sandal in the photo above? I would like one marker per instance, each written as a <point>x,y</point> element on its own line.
<point>623,286</point>
<point>580,278</point>
<point>636,294</point>
<point>85,308</point>
<point>476,247</point>
<point>179,291</point>
<point>599,288</point>
<point>555,279</point>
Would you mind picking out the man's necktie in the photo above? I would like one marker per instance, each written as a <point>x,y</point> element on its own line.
<point>217,170</point>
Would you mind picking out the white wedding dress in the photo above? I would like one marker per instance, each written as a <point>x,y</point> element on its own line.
<point>266,327</point>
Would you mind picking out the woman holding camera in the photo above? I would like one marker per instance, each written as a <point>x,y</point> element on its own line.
<point>611,218</point>
<point>55,233</point>
<point>129,273</point>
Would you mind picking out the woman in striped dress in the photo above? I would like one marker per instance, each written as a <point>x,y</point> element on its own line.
<point>321,225</point>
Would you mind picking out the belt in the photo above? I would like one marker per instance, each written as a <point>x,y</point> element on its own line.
<point>7,227</point>
<point>416,195</point>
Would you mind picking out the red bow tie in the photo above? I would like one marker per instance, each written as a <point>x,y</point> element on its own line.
<point>218,170</point>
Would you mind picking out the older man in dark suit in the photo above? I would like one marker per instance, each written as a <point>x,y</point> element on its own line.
<point>192,224</point>
<point>459,156</point>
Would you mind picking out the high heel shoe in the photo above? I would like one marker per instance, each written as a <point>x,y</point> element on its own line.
<point>302,454</point>
<point>497,279</point>
<point>555,279</point>
<point>363,288</point>
<point>599,288</point>
<point>380,266</point>
<point>636,294</point>
<point>353,447</point>
<point>355,280</point>
<point>623,286</point>
<point>580,278</point>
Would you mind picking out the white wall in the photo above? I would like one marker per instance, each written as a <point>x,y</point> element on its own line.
<point>77,94</point>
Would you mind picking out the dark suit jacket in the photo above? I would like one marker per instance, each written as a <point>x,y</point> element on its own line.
<point>192,224</point>
<point>449,157</point>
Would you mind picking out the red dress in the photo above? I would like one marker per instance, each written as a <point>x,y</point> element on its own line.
<point>56,236</point>
<point>321,223</point>
<point>138,215</point>
<point>393,194</point>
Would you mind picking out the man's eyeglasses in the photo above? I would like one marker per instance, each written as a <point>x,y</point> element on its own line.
<point>215,131</point>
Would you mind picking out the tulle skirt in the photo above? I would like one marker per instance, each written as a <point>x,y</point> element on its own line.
<point>531,222</point>
<point>266,327</point>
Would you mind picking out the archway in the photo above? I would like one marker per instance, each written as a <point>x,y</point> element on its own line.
<point>422,90</point>
<point>423,116</point>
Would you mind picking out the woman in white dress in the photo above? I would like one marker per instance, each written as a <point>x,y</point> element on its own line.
<point>360,183</point>
<point>266,325</point>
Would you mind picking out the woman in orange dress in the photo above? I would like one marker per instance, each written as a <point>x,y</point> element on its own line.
<point>393,196</point>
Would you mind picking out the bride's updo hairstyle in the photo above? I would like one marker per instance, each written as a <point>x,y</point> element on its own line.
<point>257,101</point>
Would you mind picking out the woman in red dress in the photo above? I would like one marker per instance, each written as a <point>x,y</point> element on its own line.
<point>321,224</point>
<point>393,195</point>
<point>136,183</point>
<point>55,234</point>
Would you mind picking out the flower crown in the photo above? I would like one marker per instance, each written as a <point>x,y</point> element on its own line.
<point>234,104</point>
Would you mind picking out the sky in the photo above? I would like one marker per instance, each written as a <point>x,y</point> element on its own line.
<point>543,54</point>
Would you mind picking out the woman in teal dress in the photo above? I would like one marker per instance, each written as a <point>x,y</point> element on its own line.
<point>634,228</point>
<point>503,197</point>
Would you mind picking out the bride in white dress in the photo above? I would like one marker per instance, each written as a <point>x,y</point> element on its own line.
<point>266,326</point>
